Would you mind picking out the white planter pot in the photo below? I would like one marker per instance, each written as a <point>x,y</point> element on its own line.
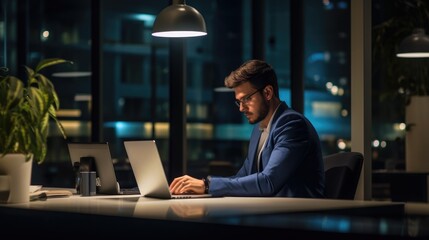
<point>15,178</point>
<point>417,138</point>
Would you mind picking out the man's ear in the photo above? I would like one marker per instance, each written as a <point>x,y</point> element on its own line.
<point>268,92</point>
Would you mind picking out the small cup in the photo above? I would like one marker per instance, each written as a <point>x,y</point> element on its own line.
<point>87,183</point>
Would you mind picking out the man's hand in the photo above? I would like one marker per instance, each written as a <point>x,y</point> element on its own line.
<point>187,185</point>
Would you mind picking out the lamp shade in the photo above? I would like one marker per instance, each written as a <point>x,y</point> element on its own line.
<point>414,46</point>
<point>179,20</point>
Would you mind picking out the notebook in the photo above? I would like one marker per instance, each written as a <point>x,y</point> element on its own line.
<point>149,172</point>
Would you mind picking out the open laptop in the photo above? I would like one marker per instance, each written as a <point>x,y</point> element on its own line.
<point>149,172</point>
<point>100,152</point>
<point>103,165</point>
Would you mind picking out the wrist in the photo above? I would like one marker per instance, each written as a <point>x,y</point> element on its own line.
<point>206,181</point>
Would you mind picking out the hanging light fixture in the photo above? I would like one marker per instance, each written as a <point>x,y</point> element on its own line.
<point>179,20</point>
<point>414,46</point>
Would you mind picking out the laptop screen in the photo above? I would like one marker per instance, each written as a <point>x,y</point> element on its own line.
<point>149,171</point>
<point>100,152</point>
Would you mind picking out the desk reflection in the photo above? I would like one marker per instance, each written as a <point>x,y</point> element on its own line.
<point>316,216</point>
<point>183,210</point>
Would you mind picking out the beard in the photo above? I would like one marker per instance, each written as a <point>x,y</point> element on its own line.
<point>262,114</point>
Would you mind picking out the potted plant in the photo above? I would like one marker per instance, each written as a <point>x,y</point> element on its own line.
<point>405,81</point>
<point>25,111</point>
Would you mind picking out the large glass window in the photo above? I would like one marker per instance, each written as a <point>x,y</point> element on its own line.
<point>135,77</point>
<point>327,72</point>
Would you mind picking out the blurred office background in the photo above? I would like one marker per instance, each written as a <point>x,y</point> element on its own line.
<point>132,97</point>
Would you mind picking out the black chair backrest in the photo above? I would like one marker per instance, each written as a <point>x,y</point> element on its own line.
<point>342,172</point>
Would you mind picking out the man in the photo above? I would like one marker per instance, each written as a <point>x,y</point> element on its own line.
<point>284,158</point>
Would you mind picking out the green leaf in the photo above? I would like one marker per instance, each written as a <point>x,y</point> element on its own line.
<point>49,62</point>
<point>11,92</point>
<point>26,111</point>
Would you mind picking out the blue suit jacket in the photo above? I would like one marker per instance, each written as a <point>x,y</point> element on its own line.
<point>292,163</point>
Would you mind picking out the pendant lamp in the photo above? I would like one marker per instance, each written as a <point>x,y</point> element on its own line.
<point>179,20</point>
<point>414,46</point>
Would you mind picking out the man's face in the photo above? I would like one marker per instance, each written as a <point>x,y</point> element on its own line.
<point>251,102</point>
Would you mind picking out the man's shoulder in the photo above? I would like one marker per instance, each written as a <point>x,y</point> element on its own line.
<point>293,119</point>
<point>289,114</point>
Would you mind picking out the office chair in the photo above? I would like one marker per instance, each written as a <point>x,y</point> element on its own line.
<point>342,172</point>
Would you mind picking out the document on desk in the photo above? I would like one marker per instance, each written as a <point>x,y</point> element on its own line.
<point>34,188</point>
<point>38,193</point>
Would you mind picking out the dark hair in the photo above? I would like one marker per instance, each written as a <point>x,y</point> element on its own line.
<point>256,72</point>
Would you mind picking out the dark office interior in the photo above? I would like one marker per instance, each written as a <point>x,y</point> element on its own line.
<point>120,86</point>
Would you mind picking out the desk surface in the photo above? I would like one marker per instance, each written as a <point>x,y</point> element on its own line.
<point>310,217</point>
<point>199,208</point>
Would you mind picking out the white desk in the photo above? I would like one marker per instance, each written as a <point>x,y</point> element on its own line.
<point>264,217</point>
<point>201,208</point>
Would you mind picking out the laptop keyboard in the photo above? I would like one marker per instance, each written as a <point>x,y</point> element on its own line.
<point>130,191</point>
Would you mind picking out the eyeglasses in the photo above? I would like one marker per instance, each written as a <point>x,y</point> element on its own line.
<point>244,100</point>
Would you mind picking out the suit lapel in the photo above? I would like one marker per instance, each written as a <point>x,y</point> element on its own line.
<point>253,146</point>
